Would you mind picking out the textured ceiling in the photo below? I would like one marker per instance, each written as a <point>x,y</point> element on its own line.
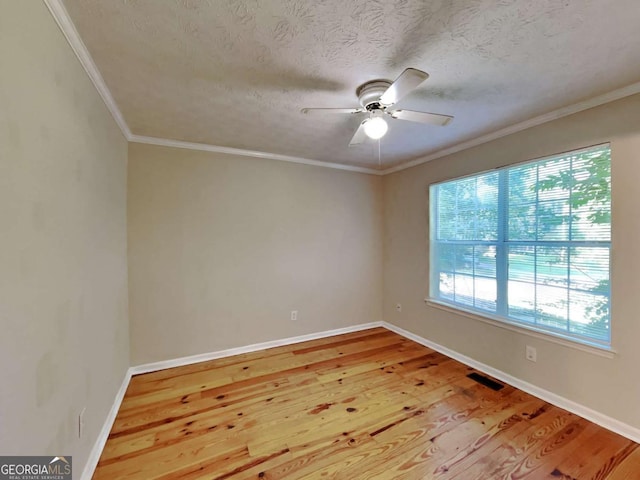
<point>236,73</point>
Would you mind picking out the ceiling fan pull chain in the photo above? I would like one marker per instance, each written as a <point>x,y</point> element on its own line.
<point>376,98</point>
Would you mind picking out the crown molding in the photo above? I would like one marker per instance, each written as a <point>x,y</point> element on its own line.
<point>61,16</point>
<point>205,147</point>
<point>518,127</point>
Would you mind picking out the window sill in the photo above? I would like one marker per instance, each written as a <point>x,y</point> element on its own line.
<point>601,351</point>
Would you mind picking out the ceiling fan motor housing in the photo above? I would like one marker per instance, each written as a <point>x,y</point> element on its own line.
<point>377,98</point>
<point>369,94</point>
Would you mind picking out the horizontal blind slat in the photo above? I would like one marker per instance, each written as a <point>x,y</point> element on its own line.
<point>557,244</point>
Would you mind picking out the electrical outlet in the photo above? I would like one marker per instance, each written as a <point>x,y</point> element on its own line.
<point>398,307</point>
<point>294,315</point>
<point>81,423</point>
<point>531,354</point>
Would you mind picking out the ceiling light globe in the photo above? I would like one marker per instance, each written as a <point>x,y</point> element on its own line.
<point>375,127</point>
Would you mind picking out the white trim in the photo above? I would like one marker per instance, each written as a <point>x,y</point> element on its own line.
<point>61,16</point>
<point>100,442</point>
<point>531,331</point>
<point>59,13</point>
<point>598,418</point>
<point>585,412</point>
<point>96,451</point>
<point>205,147</point>
<point>532,122</point>
<point>203,357</point>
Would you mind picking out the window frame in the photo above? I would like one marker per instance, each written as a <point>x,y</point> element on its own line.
<point>500,318</point>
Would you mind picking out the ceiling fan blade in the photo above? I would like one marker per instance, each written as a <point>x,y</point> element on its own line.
<point>404,84</point>
<point>359,136</point>
<point>331,110</point>
<point>421,117</point>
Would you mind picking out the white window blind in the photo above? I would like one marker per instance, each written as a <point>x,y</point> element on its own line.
<point>528,244</point>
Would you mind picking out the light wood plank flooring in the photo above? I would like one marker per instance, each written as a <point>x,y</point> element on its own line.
<point>365,405</point>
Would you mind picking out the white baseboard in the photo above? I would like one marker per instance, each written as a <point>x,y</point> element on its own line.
<point>96,451</point>
<point>598,418</point>
<point>203,357</point>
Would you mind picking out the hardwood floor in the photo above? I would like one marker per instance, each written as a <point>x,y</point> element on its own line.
<point>365,405</point>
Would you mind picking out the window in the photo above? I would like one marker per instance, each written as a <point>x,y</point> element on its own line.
<point>528,244</point>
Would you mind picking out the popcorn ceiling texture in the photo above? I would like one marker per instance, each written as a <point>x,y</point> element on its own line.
<point>236,73</point>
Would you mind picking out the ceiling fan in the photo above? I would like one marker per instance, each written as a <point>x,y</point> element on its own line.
<point>377,97</point>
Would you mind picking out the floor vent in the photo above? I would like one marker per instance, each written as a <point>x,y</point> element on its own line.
<point>486,381</point>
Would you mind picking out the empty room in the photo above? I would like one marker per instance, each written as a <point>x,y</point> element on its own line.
<point>286,239</point>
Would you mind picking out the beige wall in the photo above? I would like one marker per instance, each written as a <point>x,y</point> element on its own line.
<point>609,386</point>
<point>222,248</point>
<point>63,288</point>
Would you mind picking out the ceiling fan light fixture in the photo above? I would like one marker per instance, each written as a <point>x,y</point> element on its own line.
<point>375,127</point>
<point>377,97</point>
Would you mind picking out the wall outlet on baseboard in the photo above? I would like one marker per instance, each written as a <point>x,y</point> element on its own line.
<point>531,354</point>
<point>294,315</point>
<point>81,423</point>
<point>398,307</point>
